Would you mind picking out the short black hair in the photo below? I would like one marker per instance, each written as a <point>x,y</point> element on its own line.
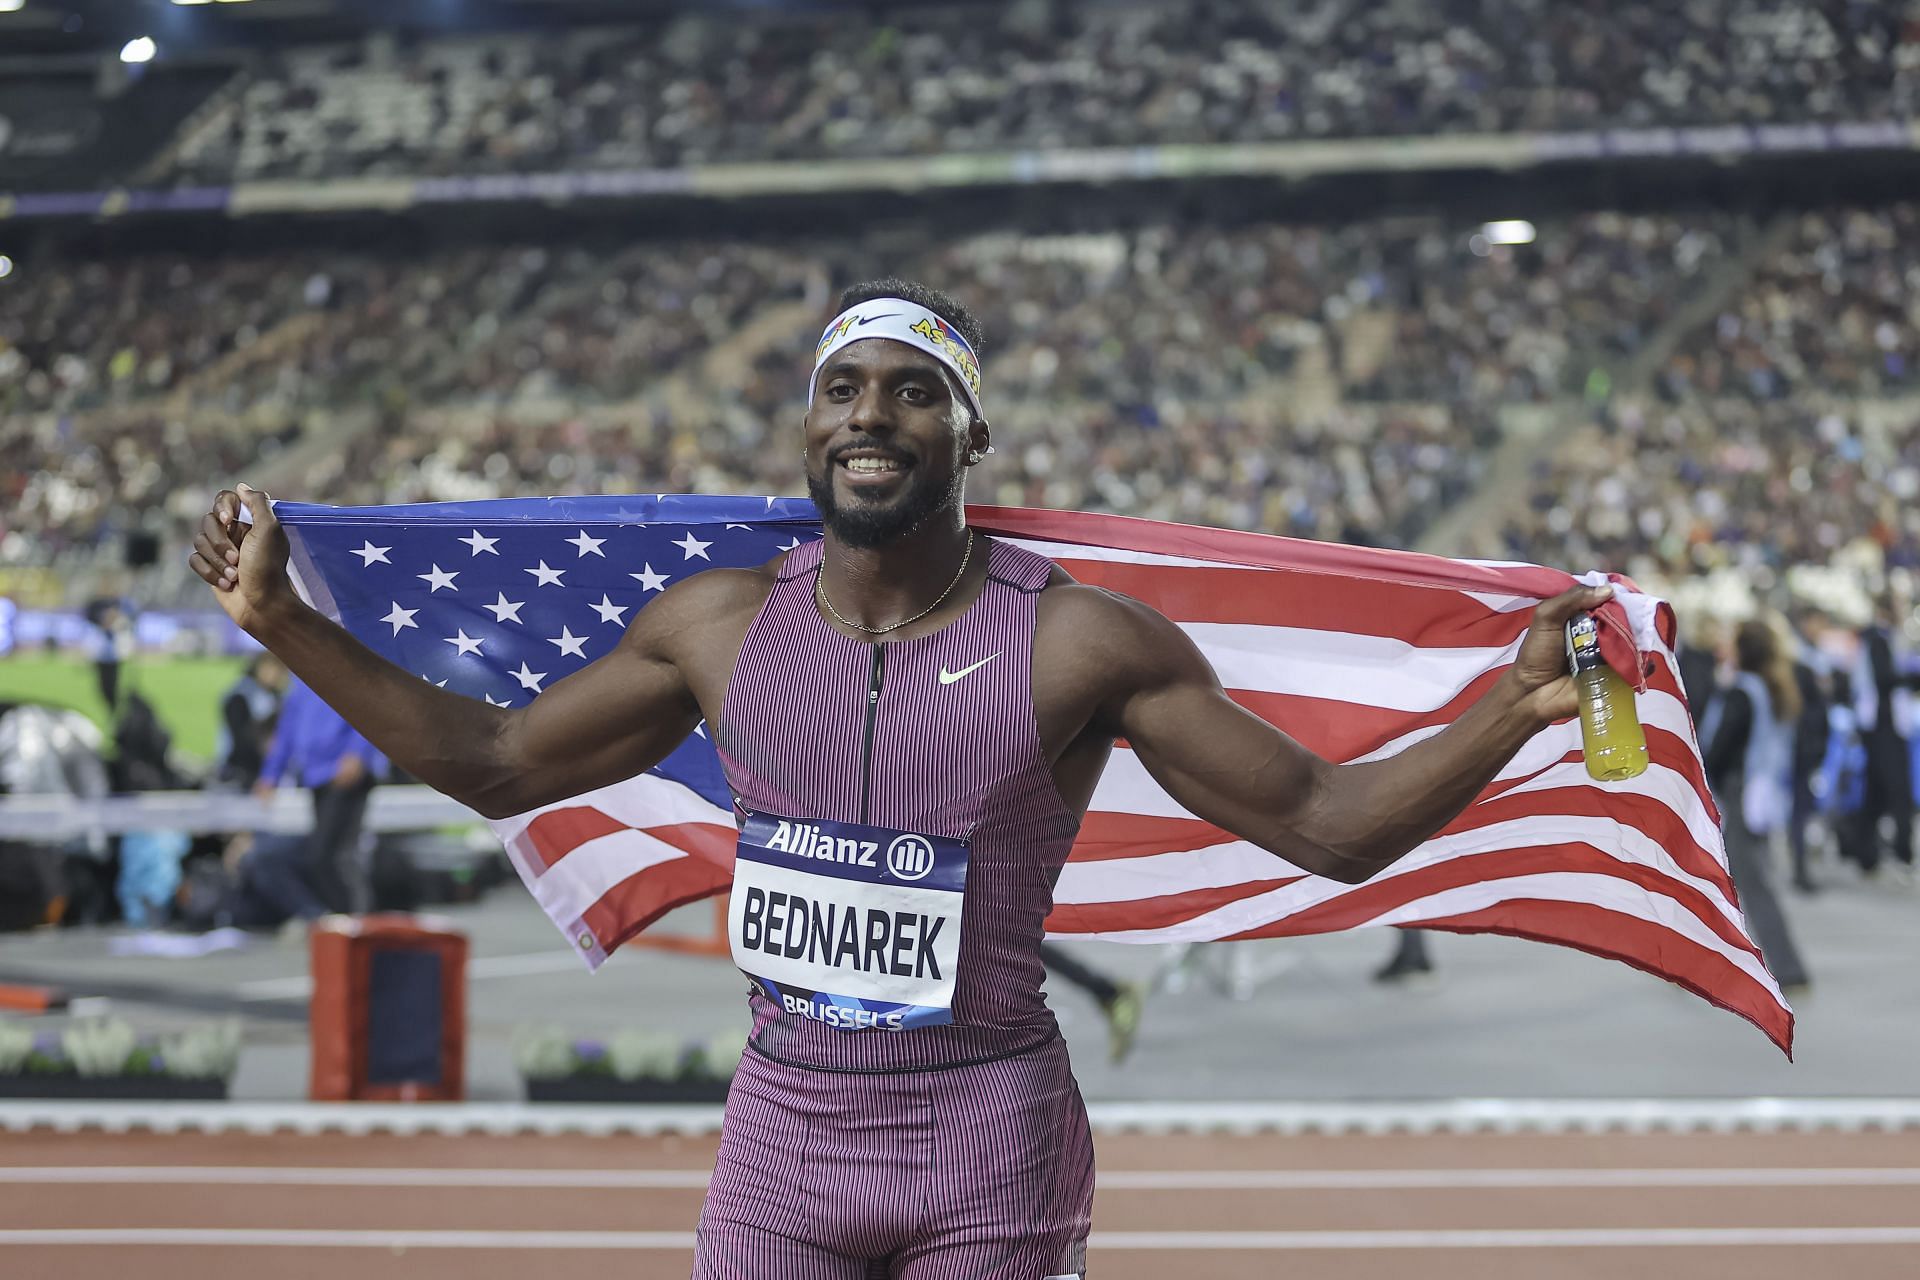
<point>920,295</point>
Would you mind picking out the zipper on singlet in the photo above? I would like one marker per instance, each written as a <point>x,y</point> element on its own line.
<point>866,739</point>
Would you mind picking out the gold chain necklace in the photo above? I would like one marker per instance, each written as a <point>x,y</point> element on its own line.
<point>820,594</point>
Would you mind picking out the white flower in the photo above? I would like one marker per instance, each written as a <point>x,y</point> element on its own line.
<point>203,1053</point>
<point>543,1053</point>
<point>16,1042</point>
<point>100,1047</point>
<point>721,1054</point>
<point>635,1055</point>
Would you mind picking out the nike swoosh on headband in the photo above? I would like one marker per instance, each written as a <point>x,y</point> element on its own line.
<point>864,321</point>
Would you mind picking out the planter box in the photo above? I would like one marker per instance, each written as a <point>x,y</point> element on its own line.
<point>126,1088</point>
<point>607,1089</point>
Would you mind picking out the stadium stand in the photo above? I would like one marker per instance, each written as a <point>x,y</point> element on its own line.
<point>977,78</point>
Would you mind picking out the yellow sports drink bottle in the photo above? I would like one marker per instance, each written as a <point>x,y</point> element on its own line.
<point>1610,734</point>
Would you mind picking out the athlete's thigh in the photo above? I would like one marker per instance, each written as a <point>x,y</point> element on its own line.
<point>736,1251</point>
<point>1010,1192</point>
<point>1051,1255</point>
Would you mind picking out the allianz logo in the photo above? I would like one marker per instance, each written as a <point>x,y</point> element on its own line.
<point>909,857</point>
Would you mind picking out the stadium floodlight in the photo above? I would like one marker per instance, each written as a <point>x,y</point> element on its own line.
<point>12,6</point>
<point>140,49</point>
<point>1509,231</point>
<point>187,2</point>
<point>6,263</point>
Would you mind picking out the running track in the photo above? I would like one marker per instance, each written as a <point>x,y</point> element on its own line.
<point>1543,1206</point>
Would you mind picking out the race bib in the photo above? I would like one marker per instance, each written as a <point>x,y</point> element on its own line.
<point>854,926</point>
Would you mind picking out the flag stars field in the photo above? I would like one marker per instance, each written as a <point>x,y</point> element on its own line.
<point>481,543</point>
<point>650,580</point>
<point>570,644</point>
<point>609,611</point>
<point>547,577</point>
<point>589,546</point>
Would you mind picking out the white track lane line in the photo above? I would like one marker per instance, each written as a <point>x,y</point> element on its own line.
<point>1120,1180</point>
<point>1244,1241</point>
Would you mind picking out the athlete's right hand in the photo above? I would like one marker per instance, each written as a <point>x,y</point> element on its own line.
<point>246,565</point>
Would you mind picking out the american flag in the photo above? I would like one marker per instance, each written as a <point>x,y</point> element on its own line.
<point>1357,653</point>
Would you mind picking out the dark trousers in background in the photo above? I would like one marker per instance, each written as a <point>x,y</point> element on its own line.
<point>274,883</point>
<point>1749,859</point>
<point>337,869</point>
<point>1798,820</point>
<point>1889,791</point>
<point>1103,989</point>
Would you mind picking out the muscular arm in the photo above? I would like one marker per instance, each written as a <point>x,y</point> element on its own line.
<point>612,719</point>
<point>1347,822</point>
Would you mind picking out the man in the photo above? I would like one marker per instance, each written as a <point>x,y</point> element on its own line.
<point>248,710</point>
<point>1812,734</point>
<point>1883,691</point>
<point>322,752</point>
<point>912,719</point>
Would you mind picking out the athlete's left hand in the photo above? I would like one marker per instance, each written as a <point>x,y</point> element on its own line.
<point>1539,675</point>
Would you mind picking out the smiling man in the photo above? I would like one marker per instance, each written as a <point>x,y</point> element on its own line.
<point>912,720</point>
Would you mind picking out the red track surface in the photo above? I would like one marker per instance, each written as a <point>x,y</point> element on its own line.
<point>1778,1206</point>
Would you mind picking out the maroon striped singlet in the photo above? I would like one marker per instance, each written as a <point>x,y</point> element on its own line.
<point>934,735</point>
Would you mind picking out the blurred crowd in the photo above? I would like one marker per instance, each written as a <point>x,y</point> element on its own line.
<point>1045,74</point>
<point>1781,432</point>
<point>1325,382</point>
<point>1670,489</point>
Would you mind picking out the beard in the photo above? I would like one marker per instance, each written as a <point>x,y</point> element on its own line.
<point>866,524</point>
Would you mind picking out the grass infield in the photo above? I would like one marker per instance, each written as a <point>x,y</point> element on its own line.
<point>185,692</point>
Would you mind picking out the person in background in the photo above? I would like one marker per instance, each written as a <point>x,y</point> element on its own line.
<point>1749,765</point>
<point>248,710</point>
<point>1699,665</point>
<point>317,749</point>
<point>1812,732</point>
<point>1409,958</point>
<point>1121,1003</point>
<point>110,644</point>
<point>1882,690</point>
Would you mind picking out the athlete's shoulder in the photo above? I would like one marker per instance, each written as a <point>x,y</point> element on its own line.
<point>709,597</point>
<point>1091,625</point>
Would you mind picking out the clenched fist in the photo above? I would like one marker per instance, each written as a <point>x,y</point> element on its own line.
<point>245,564</point>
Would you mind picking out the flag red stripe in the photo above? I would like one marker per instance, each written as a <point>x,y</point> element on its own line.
<point>1366,902</point>
<point>1430,617</point>
<point>1331,560</point>
<point>645,896</point>
<point>1645,945</point>
<point>558,832</point>
<point>1159,912</point>
<point>1651,818</point>
<point>1106,836</point>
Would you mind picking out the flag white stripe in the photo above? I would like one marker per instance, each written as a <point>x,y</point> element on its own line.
<point>1120,555</point>
<point>1342,666</point>
<point>1606,892</point>
<point>1157,875</point>
<point>645,800</point>
<point>584,876</point>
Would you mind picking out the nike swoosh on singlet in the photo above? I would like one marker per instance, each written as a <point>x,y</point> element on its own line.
<point>948,677</point>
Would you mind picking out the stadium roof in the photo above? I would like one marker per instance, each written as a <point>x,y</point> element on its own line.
<point>199,27</point>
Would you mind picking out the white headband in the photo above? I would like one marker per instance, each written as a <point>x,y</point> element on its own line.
<point>907,322</point>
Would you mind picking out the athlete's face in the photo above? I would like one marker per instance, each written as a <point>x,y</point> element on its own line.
<point>888,435</point>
